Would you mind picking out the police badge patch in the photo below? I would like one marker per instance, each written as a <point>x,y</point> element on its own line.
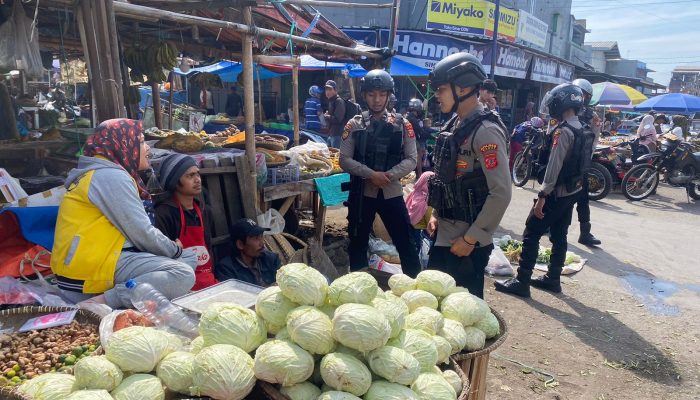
<point>409,130</point>
<point>346,131</point>
<point>491,160</point>
<point>555,138</point>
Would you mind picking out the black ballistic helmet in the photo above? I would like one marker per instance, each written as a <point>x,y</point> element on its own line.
<point>564,97</point>
<point>377,79</point>
<point>459,69</point>
<point>415,105</point>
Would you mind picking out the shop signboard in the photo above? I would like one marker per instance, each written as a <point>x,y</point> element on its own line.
<point>532,30</point>
<point>566,73</point>
<point>471,17</point>
<point>425,49</point>
<point>545,70</point>
<point>512,62</point>
<point>364,36</point>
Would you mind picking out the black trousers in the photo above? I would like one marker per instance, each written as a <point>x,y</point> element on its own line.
<point>395,217</point>
<point>582,207</point>
<point>557,218</point>
<point>467,271</point>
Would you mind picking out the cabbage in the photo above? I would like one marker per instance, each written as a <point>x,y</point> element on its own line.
<point>425,319</point>
<point>394,364</point>
<point>476,339</point>
<point>302,284</point>
<point>271,328</point>
<point>401,284</point>
<point>139,387</point>
<point>51,386</point>
<point>435,282</point>
<point>273,307</point>
<point>283,362</point>
<point>197,345</point>
<point>355,287</point>
<point>444,349</point>
<point>360,327</point>
<point>355,353</point>
<point>454,380</point>
<point>380,294</point>
<point>222,371</point>
<point>228,323</point>
<point>311,330</point>
<point>395,311</point>
<point>347,373</point>
<point>335,395</point>
<point>283,334</point>
<point>328,309</point>
<point>383,390</point>
<point>419,298</point>
<point>175,371</point>
<point>489,325</point>
<point>432,386</point>
<point>464,308</point>
<point>418,344</point>
<point>90,395</point>
<point>301,391</point>
<point>139,349</point>
<point>453,331</point>
<point>96,373</point>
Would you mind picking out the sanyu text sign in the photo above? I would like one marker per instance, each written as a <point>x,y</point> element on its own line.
<point>426,49</point>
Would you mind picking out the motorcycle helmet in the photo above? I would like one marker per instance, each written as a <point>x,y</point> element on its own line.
<point>377,79</point>
<point>584,85</point>
<point>392,100</point>
<point>415,105</point>
<point>536,122</point>
<point>315,91</point>
<point>459,69</point>
<point>564,97</point>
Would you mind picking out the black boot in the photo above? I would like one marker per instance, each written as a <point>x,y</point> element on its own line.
<point>545,282</point>
<point>513,286</point>
<point>587,237</point>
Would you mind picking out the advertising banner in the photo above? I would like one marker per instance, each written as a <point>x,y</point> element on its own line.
<point>425,49</point>
<point>545,70</point>
<point>532,30</point>
<point>512,62</point>
<point>507,23</point>
<point>474,17</point>
<point>566,73</point>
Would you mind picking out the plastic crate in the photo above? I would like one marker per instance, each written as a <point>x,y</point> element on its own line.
<point>279,175</point>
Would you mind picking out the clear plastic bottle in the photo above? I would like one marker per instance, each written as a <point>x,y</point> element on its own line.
<point>156,307</point>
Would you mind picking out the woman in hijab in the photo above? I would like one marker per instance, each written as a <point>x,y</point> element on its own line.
<point>647,132</point>
<point>104,235</point>
<point>417,204</point>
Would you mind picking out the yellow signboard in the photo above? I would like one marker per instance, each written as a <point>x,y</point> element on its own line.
<point>471,17</point>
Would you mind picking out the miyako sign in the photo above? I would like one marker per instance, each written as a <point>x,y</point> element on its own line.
<point>532,30</point>
<point>475,17</point>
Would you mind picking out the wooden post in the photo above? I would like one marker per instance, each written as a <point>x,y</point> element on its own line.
<point>157,112</point>
<point>295,102</point>
<point>170,101</point>
<point>351,85</point>
<point>249,101</point>
<point>261,117</point>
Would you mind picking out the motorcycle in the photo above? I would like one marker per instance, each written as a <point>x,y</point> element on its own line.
<point>610,164</point>
<point>676,159</point>
<point>525,163</point>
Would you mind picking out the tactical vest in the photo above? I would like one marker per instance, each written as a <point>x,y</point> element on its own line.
<point>458,198</point>
<point>384,143</point>
<point>577,161</point>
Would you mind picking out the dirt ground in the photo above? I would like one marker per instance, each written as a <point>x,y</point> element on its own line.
<point>625,327</point>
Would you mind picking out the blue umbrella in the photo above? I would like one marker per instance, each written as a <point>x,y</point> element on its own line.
<point>672,102</point>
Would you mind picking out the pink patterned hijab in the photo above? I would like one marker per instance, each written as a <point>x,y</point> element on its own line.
<point>417,201</point>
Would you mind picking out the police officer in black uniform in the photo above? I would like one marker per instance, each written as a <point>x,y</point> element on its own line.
<point>471,188</point>
<point>591,121</point>
<point>570,155</point>
<point>414,115</point>
<point>378,149</point>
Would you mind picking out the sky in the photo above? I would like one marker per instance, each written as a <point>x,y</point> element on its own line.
<point>664,34</point>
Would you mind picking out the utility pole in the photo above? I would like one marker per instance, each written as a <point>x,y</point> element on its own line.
<point>394,26</point>
<point>494,44</point>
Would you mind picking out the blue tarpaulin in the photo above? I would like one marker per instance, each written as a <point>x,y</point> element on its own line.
<point>228,71</point>
<point>36,223</point>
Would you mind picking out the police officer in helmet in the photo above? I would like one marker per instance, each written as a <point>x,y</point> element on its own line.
<point>590,120</point>
<point>471,188</point>
<point>379,148</point>
<point>414,115</point>
<point>570,149</point>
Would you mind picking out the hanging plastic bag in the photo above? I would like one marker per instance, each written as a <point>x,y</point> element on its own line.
<point>273,220</point>
<point>498,264</point>
<point>19,44</point>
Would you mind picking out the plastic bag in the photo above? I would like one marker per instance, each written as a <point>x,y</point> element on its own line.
<point>424,253</point>
<point>382,248</point>
<point>498,264</point>
<point>19,44</point>
<point>260,169</point>
<point>13,291</point>
<point>312,148</point>
<point>273,220</point>
<point>376,262</point>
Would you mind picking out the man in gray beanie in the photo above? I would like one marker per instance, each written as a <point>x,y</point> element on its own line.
<point>182,217</point>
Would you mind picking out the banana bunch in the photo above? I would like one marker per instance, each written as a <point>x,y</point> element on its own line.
<point>208,80</point>
<point>150,60</point>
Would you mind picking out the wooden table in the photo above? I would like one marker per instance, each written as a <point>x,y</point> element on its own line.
<point>289,192</point>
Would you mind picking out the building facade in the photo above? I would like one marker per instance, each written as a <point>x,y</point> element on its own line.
<point>604,58</point>
<point>685,80</point>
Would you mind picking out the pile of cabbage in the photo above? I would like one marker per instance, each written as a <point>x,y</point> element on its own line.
<point>350,340</point>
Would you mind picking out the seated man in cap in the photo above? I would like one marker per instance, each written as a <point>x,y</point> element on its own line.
<point>182,217</point>
<point>251,262</point>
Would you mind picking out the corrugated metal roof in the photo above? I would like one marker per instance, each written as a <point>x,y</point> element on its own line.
<point>606,45</point>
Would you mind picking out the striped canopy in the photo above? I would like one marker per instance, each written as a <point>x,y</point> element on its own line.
<point>611,94</point>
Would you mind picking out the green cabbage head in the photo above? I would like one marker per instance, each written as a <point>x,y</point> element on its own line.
<point>453,331</point>
<point>96,373</point>
<point>395,311</point>
<point>394,364</point>
<point>355,287</point>
<point>139,349</point>
<point>360,327</point>
<point>432,386</point>
<point>311,330</point>
<point>283,362</point>
<point>301,391</point>
<point>383,390</point>
<point>175,371</point>
<point>453,379</point>
<point>139,387</point>
<point>435,282</point>
<point>302,284</point>
<point>336,395</point>
<point>346,373</point>
<point>228,323</point>
<point>90,395</point>
<point>401,283</point>
<point>50,386</point>
<point>273,307</point>
<point>489,325</point>
<point>444,349</point>
<point>418,344</point>
<point>222,371</point>
<point>197,345</point>
<point>425,319</point>
<point>419,298</point>
<point>476,339</point>
<point>464,308</point>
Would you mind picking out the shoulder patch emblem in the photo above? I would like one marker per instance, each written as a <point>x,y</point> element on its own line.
<point>555,138</point>
<point>491,160</point>
<point>409,129</point>
<point>488,148</point>
<point>346,131</point>
<point>553,122</point>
